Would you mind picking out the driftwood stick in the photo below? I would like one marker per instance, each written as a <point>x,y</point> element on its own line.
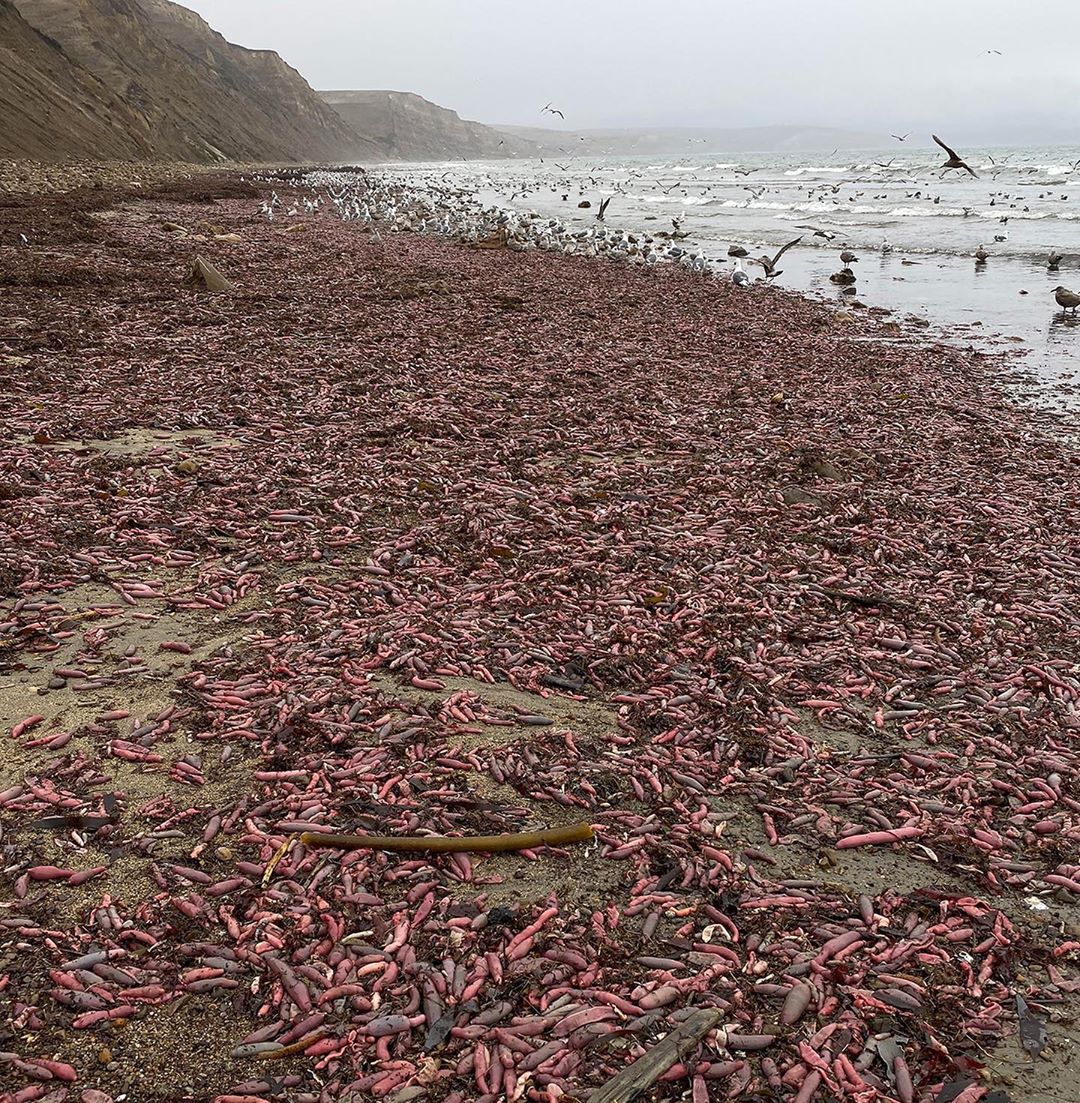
<point>647,1069</point>
<point>446,844</point>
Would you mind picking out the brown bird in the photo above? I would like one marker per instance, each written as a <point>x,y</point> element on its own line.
<point>848,257</point>
<point>981,255</point>
<point>954,161</point>
<point>1066,299</point>
<point>769,264</point>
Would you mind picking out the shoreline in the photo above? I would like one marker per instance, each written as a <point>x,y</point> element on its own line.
<point>773,583</point>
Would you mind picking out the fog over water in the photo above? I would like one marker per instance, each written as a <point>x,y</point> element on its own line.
<point>891,65</point>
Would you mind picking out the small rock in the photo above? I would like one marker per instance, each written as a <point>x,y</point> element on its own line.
<point>57,683</point>
<point>232,239</point>
<point>187,467</point>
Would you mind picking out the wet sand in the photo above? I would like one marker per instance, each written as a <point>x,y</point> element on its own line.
<point>403,536</point>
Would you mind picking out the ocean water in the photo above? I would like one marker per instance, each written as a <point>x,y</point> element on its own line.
<point>1030,198</point>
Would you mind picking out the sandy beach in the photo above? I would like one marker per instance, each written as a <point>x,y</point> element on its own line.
<point>403,537</point>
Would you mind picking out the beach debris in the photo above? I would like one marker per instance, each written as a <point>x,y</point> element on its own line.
<point>737,680</point>
<point>843,277</point>
<point>737,251</point>
<point>651,1066</point>
<point>434,844</point>
<point>1033,1035</point>
<point>204,275</point>
<point>1053,262</point>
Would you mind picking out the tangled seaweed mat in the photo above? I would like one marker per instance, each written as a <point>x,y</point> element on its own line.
<point>409,518</point>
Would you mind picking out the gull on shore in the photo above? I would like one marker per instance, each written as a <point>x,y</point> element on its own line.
<point>738,277</point>
<point>1066,299</point>
<point>848,257</point>
<point>770,263</point>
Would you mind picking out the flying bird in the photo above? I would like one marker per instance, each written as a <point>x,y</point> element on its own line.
<point>603,208</point>
<point>769,264</point>
<point>954,161</point>
<point>901,137</point>
<point>998,52</point>
<point>548,109</point>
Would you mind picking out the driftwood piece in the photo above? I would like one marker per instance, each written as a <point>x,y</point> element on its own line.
<point>449,844</point>
<point>203,274</point>
<point>647,1069</point>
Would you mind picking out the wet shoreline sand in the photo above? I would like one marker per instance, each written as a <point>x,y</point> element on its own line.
<point>326,551</point>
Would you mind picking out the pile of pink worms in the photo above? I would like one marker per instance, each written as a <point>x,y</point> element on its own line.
<point>813,594</point>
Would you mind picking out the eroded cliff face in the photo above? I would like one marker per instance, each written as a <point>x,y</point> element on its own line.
<point>51,108</point>
<point>186,93</point>
<point>410,128</point>
<point>150,79</point>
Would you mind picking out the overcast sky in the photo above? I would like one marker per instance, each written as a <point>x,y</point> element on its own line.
<point>880,64</point>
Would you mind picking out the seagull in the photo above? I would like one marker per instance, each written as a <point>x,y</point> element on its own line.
<point>548,109</point>
<point>848,257</point>
<point>739,278</point>
<point>981,255</point>
<point>998,52</point>
<point>1066,299</point>
<point>1053,261</point>
<point>24,241</point>
<point>885,246</point>
<point>769,264</point>
<point>901,137</point>
<point>954,161</point>
<point>603,208</point>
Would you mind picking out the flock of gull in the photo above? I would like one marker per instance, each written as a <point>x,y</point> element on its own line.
<point>448,209</point>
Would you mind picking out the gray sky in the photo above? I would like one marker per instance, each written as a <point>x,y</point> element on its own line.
<point>881,64</point>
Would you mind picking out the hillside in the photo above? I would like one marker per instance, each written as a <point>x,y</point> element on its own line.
<point>174,88</point>
<point>53,108</point>
<point>409,128</point>
<point>685,140</point>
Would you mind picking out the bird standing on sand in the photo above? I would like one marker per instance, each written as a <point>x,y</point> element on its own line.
<point>981,255</point>
<point>1066,299</point>
<point>770,263</point>
<point>739,278</point>
<point>1053,262</point>
<point>848,257</point>
<point>954,161</point>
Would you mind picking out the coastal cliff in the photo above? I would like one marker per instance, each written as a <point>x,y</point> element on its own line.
<point>409,128</point>
<point>148,78</point>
